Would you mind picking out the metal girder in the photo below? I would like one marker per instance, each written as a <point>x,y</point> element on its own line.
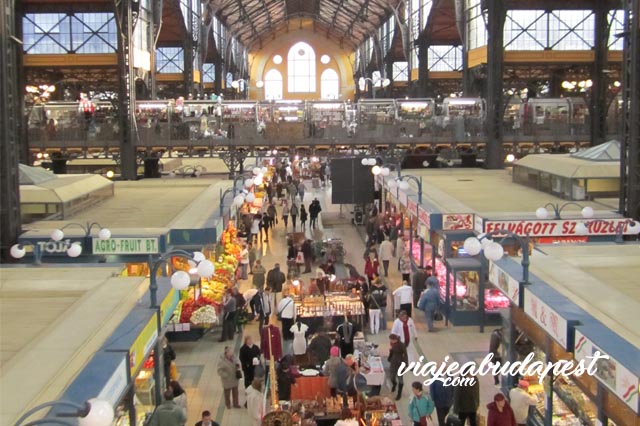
<point>126,92</point>
<point>630,149</point>
<point>11,117</point>
<point>599,89</point>
<point>495,26</point>
<point>233,159</point>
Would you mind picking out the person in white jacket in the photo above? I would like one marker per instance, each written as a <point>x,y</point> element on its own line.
<point>385,253</point>
<point>520,400</point>
<point>255,406</point>
<point>404,327</point>
<point>405,294</point>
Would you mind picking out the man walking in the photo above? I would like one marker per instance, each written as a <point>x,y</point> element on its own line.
<point>314,211</point>
<point>275,280</point>
<point>385,253</point>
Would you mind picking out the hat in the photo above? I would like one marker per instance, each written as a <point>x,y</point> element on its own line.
<point>523,384</point>
<point>498,397</point>
<point>432,281</point>
<point>334,351</point>
<point>256,361</point>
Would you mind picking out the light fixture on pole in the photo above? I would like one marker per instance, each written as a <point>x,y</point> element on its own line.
<point>543,212</point>
<point>401,183</point>
<point>94,412</point>
<point>368,161</point>
<point>376,80</point>
<point>494,251</point>
<point>631,226</point>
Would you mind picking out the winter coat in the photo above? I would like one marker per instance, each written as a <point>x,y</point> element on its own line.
<point>247,354</point>
<point>227,372</point>
<point>303,214</point>
<point>397,355</point>
<point>420,407</point>
<point>498,418</point>
<point>331,369</point>
<point>430,300</point>
<point>378,297</point>
<point>258,276</point>
<point>385,251</point>
<point>466,399</point>
<point>275,279</point>
<point>294,210</point>
<point>169,414</point>
<point>254,406</point>
<point>371,267</point>
<point>442,395</point>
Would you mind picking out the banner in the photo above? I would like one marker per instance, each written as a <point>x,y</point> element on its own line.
<point>556,228</point>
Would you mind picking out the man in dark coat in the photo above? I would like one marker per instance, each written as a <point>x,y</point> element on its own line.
<point>418,284</point>
<point>397,355</point>
<point>275,280</point>
<point>314,211</point>
<point>466,400</point>
<point>308,254</point>
<point>248,352</point>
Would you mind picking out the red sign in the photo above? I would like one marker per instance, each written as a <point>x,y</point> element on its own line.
<point>555,228</point>
<point>562,240</point>
<point>424,217</point>
<point>412,206</point>
<point>453,222</point>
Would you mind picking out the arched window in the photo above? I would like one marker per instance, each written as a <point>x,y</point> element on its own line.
<point>329,84</point>
<point>301,66</point>
<point>273,85</point>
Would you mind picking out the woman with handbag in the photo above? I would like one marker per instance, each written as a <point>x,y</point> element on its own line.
<point>230,374</point>
<point>420,407</point>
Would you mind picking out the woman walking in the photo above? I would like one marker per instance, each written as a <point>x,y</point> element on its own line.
<point>303,217</point>
<point>293,212</point>
<point>421,406</point>
<point>285,213</point>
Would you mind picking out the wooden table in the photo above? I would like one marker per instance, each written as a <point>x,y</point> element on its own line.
<point>309,388</point>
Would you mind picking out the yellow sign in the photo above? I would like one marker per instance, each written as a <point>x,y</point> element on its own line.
<point>167,306</point>
<point>142,345</point>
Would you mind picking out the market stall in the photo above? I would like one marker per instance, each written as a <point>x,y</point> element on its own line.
<point>330,309</point>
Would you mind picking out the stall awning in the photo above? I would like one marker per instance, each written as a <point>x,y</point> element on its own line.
<point>572,168</point>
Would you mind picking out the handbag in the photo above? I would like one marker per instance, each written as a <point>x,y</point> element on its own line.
<point>426,421</point>
<point>238,374</point>
<point>300,258</point>
<point>437,316</point>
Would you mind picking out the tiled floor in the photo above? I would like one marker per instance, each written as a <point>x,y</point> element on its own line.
<point>197,360</point>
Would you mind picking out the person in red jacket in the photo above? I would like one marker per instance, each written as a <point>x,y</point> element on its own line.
<point>500,412</point>
<point>371,267</point>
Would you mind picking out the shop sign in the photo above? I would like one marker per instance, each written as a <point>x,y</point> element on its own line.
<point>135,245</point>
<point>412,206</point>
<point>456,222</point>
<point>52,247</point>
<point>143,344</point>
<point>424,216</point>
<point>478,224</point>
<point>547,318</point>
<point>504,282</point>
<point>553,228</point>
<point>168,305</point>
<point>610,372</point>
<point>116,385</point>
<point>562,240</point>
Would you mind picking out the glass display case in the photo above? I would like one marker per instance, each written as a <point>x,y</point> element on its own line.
<point>327,119</point>
<point>376,118</point>
<point>416,115</point>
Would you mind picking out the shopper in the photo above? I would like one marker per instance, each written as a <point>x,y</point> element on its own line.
<point>285,380</point>
<point>264,306</point>
<point>255,406</point>
<point>179,395</point>
<point>248,351</point>
<point>418,283</point>
<point>275,280</point>
<point>287,313</point>
<point>397,355</point>
<point>420,406</point>
<point>206,420</point>
<point>442,398</point>
<point>404,327</point>
<point>405,294</point>
<point>273,216</point>
<point>346,331</point>
<point>258,275</point>
<point>430,301</point>
<point>168,413</point>
<point>292,191</point>
<point>169,358</point>
<point>377,306</point>
<point>253,256</point>
<point>228,368</point>
<point>266,224</point>
<point>319,347</point>
<point>228,316</point>
<point>285,213</point>
<point>495,341</point>
<point>400,249</point>
<point>405,267</point>
<point>307,251</point>
<point>303,217</point>
<point>385,253</point>
<point>521,400</point>
<point>293,212</point>
<point>331,369</point>
<point>466,400</point>
<point>256,228</point>
<point>371,266</point>
<point>244,261</point>
<point>301,190</point>
<point>499,412</point>
<point>314,211</point>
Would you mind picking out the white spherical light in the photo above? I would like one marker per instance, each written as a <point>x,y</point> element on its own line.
<point>364,162</point>
<point>256,170</point>
<point>248,183</point>
<point>376,170</point>
<point>206,268</point>
<point>372,161</point>
<point>634,228</point>
<point>404,185</point>
<point>251,197</point>
<point>75,250</point>
<point>385,171</point>
<point>104,234</point>
<point>391,183</point>
<point>542,213</point>
<point>100,414</point>
<point>17,251</point>
<point>472,246</point>
<point>484,241</point>
<point>582,229</point>
<point>180,280</point>
<point>198,256</point>
<point>238,200</point>
<point>494,251</point>
<point>57,235</point>
<point>587,212</point>
<point>258,180</point>
<point>264,170</point>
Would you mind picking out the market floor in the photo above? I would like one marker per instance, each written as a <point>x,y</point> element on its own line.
<point>197,361</point>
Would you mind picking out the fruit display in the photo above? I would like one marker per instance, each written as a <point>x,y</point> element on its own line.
<point>204,315</point>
